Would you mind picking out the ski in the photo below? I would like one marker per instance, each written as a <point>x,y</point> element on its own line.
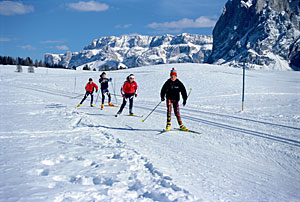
<point>111,106</point>
<point>140,116</point>
<point>191,131</point>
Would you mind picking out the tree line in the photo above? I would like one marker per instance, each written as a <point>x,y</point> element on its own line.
<point>7,60</point>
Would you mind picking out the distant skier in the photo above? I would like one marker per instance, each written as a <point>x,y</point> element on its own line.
<point>89,91</point>
<point>171,89</point>
<point>128,91</point>
<point>104,89</point>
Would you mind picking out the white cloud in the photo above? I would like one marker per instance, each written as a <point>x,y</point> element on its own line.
<point>27,47</point>
<point>123,26</point>
<point>62,47</point>
<point>88,6</point>
<point>185,23</point>
<point>6,39</point>
<point>10,8</point>
<point>51,41</point>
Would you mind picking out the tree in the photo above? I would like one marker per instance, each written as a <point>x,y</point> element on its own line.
<point>86,67</point>
<point>36,63</point>
<point>41,64</point>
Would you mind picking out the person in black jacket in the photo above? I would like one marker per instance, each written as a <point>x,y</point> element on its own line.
<point>104,89</point>
<point>171,90</point>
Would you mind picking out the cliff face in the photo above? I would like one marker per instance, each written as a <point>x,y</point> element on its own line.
<point>262,33</point>
<point>138,50</point>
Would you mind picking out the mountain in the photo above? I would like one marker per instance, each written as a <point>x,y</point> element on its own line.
<point>263,33</point>
<point>137,50</point>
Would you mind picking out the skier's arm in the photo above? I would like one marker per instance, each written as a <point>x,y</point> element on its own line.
<point>163,91</point>
<point>183,92</point>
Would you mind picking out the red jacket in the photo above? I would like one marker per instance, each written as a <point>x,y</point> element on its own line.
<point>129,87</point>
<point>90,87</point>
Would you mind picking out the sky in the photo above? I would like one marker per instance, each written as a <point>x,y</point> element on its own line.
<point>35,27</point>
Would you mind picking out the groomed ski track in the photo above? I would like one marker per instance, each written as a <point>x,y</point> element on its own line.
<point>236,158</point>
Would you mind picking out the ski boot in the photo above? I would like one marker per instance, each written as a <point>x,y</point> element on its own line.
<point>182,127</point>
<point>78,105</point>
<point>168,127</point>
<point>92,105</point>
<point>110,104</point>
<point>117,115</point>
<point>102,106</point>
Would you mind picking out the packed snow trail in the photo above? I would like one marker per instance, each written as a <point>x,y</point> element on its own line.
<point>51,151</point>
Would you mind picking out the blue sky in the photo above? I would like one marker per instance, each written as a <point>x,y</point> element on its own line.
<point>35,27</point>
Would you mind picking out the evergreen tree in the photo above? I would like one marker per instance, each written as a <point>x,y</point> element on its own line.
<point>36,63</point>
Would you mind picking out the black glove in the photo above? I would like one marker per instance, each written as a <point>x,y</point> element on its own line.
<point>162,99</point>
<point>96,91</point>
<point>110,79</point>
<point>184,102</point>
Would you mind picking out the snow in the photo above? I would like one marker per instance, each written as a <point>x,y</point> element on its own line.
<point>51,151</point>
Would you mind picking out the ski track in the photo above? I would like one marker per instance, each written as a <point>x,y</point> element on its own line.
<point>133,176</point>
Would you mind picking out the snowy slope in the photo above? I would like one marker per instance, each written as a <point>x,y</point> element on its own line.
<point>52,152</point>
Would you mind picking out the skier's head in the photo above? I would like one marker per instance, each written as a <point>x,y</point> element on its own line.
<point>90,80</point>
<point>130,78</point>
<point>103,75</point>
<point>173,74</point>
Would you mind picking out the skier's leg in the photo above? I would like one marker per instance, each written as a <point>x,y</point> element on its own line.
<point>169,110</point>
<point>85,96</point>
<point>130,105</point>
<point>122,106</point>
<point>177,113</point>
<point>109,97</point>
<point>103,96</point>
<point>92,98</point>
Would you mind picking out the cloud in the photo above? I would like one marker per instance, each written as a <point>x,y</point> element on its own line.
<point>88,6</point>
<point>10,8</point>
<point>62,47</point>
<point>123,26</point>
<point>185,23</point>
<point>27,47</point>
<point>6,39</point>
<point>50,41</point>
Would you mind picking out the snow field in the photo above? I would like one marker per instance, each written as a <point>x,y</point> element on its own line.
<point>51,151</point>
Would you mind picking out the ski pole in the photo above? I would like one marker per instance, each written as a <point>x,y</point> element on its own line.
<point>189,93</point>
<point>151,112</point>
<point>97,97</point>
<point>114,91</point>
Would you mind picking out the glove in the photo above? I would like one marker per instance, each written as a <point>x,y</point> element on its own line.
<point>162,99</point>
<point>110,79</point>
<point>184,102</point>
<point>96,91</point>
<point>123,96</point>
<point>135,95</point>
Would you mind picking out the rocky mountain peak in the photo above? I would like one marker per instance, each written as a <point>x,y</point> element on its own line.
<point>262,33</point>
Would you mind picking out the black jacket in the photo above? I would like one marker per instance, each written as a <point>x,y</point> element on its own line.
<point>172,89</point>
<point>104,82</point>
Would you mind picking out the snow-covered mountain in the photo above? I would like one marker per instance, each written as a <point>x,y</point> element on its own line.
<point>138,50</point>
<point>262,33</point>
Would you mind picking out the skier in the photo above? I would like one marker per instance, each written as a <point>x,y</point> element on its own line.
<point>171,89</point>
<point>104,89</point>
<point>128,91</point>
<point>89,91</point>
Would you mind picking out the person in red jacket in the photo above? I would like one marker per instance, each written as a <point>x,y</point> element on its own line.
<point>89,91</point>
<point>128,91</point>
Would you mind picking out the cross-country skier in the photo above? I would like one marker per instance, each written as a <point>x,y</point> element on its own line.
<point>89,91</point>
<point>104,89</point>
<point>128,91</point>
<point>171,90</point>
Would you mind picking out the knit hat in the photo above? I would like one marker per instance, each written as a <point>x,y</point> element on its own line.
<point>90,79</point>
<point>173,72</point>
